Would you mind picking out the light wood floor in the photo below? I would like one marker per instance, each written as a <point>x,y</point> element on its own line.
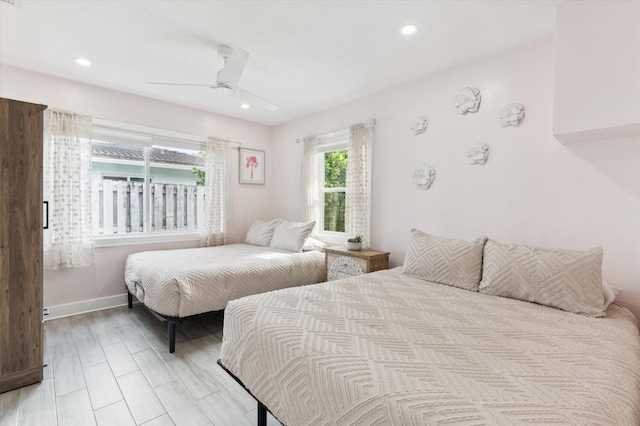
<point>113,367</point>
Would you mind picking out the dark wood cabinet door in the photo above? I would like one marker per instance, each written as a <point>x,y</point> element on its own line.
<point>21,352</point>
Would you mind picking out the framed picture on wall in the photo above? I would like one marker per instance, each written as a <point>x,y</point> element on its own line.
<point>251,166</point>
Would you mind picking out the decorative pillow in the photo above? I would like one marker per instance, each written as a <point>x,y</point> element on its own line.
<point>447,261</point>
<point>260,233</point>
<point>570,280</point>
<point>313,244</point>
<point>291,235</point>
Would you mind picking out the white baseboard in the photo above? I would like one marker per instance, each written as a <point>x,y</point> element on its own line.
<point>85,306</point>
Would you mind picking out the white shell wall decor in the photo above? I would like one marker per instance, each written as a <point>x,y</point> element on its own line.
<point>467,100</point>
<point>419,125</point>
<point>511,115</point>
<point>424,175</point>
<point>478,153</point>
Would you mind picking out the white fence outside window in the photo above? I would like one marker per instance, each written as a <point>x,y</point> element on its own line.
<point>118,207</point>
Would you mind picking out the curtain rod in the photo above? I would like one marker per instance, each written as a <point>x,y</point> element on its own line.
<point>369,123</point>
<point>227,140</point>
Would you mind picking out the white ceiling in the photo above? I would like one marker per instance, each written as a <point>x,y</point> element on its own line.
<point>305,56</point>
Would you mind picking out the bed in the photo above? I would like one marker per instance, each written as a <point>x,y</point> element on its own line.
<point>179,284</point>
<point>389,348</point>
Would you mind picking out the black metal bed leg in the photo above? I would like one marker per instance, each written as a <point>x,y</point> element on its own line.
<point>130,300</point>
<point>172,336</point>
<point>262,414</point>
<point>262,409</point>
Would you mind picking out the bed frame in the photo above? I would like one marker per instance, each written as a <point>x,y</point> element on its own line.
<point>262,409</point>
<point>172,322</point>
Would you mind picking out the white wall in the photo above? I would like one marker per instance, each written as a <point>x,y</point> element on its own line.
<point>106,278</point>
<point>533,190</point>
<point>597,70</point>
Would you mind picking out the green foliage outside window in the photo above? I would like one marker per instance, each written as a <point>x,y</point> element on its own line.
<point>200,174</point>
<point>335,176</point>
<point>335,169</point>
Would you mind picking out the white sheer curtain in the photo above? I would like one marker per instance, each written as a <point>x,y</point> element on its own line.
<point>357,208</point>
<point>309,182</point>
<point>68,243</point>
<point>217,209</point>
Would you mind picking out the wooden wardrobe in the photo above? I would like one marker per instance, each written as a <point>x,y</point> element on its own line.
<point>21,217</point>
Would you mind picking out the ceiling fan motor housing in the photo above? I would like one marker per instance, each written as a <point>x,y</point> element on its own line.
<point>225,52</point>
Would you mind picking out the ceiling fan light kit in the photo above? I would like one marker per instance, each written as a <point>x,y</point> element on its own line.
<point>224,88</point>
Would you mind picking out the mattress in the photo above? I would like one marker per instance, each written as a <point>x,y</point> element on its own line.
<point>180,283</point>
<point>384,348</point>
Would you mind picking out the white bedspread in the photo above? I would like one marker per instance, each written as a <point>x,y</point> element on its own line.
<point>388,349</point>
<point>186,282</point>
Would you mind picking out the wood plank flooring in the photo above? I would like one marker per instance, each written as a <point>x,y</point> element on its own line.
<point>113,367</point>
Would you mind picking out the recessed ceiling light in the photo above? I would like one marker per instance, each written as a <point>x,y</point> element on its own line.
<point>82,61</point>
<point>245,106</point>
<point>409,29</point>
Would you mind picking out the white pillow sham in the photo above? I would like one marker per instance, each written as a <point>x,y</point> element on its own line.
<point>570,280</point>
<point>260,233</point>
<point>291,235</point>
<point>449,261</point>
<point>312,244</point>
<point>609,292</point>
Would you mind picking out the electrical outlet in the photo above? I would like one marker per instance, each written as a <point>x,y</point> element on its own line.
<point>45,312</point>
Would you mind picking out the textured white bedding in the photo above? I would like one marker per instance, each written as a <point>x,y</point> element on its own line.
<point>384,348</point>
<point>186,282</point>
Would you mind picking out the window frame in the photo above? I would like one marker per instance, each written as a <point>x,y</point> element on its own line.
<point>147,138</point>
<point>336,141</point>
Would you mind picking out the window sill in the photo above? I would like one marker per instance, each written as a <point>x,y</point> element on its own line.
<point>132,240</point>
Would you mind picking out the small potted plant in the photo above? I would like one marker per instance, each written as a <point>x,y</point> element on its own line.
<point>354,243</point>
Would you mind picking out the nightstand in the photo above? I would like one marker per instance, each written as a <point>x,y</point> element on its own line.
<point>342,263</point>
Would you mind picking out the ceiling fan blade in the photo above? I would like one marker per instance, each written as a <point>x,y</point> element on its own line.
<point>254,100</point>
<point>181,84</point>
<point>234,67</point>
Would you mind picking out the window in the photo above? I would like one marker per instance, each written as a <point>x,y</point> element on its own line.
<point>142,188</point>
<point>334,190</point>
<point>331,163</point>
<point>335,165</point>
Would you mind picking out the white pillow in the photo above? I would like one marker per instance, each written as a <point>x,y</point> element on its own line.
<point>447,261</point>
<point>291,235</point>
<point>610,292</point>
<point>570,280</point>
<point>313,244</point>
<point>260,233</point>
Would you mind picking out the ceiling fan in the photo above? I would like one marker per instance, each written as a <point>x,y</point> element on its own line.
<point>226,83</point>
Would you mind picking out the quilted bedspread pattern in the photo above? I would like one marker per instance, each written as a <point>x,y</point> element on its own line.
<point>385,348</point>
<point>186,282</point>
